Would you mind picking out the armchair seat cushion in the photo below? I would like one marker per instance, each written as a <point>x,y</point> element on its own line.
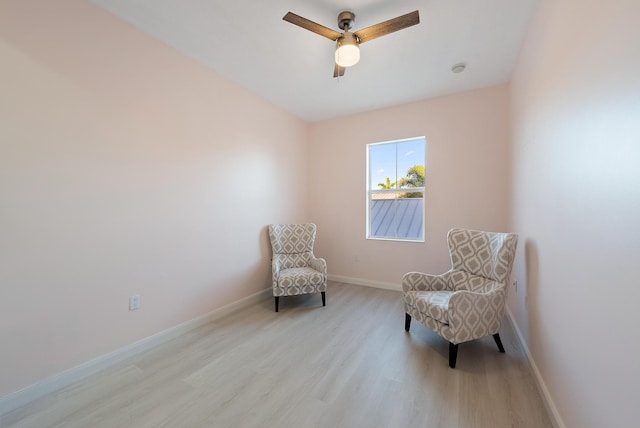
<point>434,304</point>
<point>304,279</point>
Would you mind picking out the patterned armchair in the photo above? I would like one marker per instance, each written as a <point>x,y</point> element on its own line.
<point>295,270</point>
<point>467,302</point>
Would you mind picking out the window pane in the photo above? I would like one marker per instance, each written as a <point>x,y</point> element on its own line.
<point>382,166</point>
<point>395,185</point>
<point>410,153</point>
<point>400,218</point>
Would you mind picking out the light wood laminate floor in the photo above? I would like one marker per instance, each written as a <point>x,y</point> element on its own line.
<point>349,364</point>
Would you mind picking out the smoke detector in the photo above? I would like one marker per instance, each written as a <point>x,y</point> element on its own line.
<point>459,67</point>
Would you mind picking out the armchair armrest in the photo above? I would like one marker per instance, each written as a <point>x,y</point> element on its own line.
<point>491,302</point>
<point>275,271</point>
<point>418,281</point>
<point>275,266</point>
<point>318,264</point>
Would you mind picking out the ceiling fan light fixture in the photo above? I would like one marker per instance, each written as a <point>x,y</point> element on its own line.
<point>347,52</point>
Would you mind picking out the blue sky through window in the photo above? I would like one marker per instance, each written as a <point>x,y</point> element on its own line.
<point>382,160</point>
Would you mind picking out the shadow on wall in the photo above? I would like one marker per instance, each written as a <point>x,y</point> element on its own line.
<point>266,253</point>
<point>532,288</point>
<point>265,248</point>
<point>262,274</point>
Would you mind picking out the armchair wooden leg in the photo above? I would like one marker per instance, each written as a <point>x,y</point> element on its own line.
<point>453,355</point>
<point>496,337</point>
<point>324,298</point>
<point>277,301</point>
<point>407,322</point>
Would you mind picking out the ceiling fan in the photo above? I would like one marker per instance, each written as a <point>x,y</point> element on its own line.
<point>347,50</point>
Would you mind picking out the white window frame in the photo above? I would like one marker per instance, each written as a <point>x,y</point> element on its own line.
<point>370,191</point>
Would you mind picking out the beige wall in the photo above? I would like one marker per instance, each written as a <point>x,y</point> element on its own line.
<point>466,181</point>
<point>576,204</point>
<point>125,168</point>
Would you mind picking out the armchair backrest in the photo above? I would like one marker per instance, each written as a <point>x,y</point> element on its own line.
<point>486,254</point>
<point>292,244</point>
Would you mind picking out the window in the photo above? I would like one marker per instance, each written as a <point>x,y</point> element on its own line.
<point>395,190</point>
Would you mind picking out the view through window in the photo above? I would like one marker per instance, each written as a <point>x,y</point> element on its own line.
<point>395,189</point>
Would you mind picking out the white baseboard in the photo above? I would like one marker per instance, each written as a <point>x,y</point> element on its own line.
<point>552,410</point>
<point>56,382</point>
<point>365,282</point>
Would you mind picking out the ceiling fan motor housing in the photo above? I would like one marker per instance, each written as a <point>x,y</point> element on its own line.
<point>345,20</point>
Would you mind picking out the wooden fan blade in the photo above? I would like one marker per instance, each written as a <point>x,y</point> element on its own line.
<point>338,71</point>
<point>311,26</point>
<point>387,27</point>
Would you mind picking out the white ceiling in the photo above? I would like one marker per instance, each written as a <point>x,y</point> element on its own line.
<point>248,42</point>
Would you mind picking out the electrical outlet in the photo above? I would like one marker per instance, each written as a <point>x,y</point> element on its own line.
<point>134,302</point>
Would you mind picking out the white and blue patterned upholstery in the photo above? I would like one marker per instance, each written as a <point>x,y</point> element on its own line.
<point>467,302</point>
<point>295,269</point>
